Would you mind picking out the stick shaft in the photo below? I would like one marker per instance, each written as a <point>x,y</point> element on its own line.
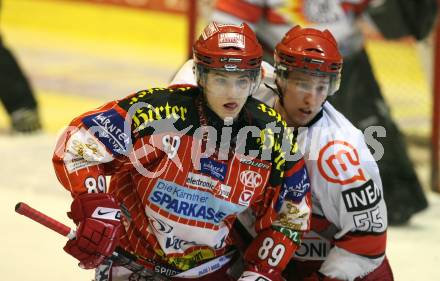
<point>121,257</point>
<point>26,210</point>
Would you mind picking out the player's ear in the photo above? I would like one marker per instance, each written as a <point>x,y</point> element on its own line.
<point>278,82</point>
<point>201,81</point>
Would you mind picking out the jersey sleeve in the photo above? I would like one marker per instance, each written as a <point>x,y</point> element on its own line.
<point>285,215</point>
<point>91,147</point>
<point>350,193</point>
<point>102,142</point>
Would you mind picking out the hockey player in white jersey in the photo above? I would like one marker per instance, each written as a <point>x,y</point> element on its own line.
<point>348,237</point>
<point>360,98</point>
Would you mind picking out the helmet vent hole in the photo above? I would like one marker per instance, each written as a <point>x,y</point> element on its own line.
<point>255,61</point>
<point>335,66</point>
<point>205,59</point>
<point>314,50</point>
<point>286,58</point>
<point>232,48</point>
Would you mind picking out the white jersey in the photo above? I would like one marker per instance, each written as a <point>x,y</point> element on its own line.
<point>347,198</point>
<point>349,214</point>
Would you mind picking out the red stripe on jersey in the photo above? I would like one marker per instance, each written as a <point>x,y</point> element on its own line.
<point>298,166</point>
<point>176,86</point>
<point>364,244</point>
<point>274,17</point>
<point>241,9</point>
<point>319,223</point>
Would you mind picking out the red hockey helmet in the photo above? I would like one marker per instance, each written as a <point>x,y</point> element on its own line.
<point>228,47</point>
<point>309,50</point>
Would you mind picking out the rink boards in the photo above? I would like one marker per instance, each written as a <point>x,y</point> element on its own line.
<point>95,53</point>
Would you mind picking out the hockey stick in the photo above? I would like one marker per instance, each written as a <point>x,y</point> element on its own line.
<point>119,256</point>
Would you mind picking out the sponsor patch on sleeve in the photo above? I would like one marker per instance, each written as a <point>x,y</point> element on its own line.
<point>84,150</point>
<point>362,198</point>
<point>108,127</point>
<point>295,186</point>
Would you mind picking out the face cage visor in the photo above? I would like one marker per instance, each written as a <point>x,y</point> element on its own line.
<point>243,82</point>
<point>288,74</point>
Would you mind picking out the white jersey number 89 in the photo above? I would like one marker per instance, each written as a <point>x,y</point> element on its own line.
<point>276,252</point>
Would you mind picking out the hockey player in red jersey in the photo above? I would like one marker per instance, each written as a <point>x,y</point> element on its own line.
<point>349,221</point>
<point>184,163</point>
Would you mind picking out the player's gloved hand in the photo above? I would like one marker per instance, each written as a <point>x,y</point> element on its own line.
<point>98,218</point>
<point>267,256</point>
<point>317,276</point>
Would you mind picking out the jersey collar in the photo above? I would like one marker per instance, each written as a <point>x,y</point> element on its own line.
<point>316,118</point>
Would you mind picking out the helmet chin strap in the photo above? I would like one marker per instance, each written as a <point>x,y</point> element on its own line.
<point>279,101</point>
<point>277,91</point>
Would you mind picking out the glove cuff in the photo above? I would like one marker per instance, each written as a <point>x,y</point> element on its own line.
<point>100,206</point>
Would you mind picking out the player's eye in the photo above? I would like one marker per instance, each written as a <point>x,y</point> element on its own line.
<point>321,89</point>
<point>304,86</point>
<point>220,81</point>
<point>243,83</point>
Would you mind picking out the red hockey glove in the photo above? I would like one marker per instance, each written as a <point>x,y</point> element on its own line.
<point>316,276</point>
<point>269,253</point>
<point>98,218</point>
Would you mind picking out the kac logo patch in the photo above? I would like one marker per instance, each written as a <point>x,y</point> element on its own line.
<point>251,178</point>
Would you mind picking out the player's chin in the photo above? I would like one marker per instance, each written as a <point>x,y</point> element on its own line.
<point>301,121</point>
<point>231,111</point>
<point>229,114</point>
